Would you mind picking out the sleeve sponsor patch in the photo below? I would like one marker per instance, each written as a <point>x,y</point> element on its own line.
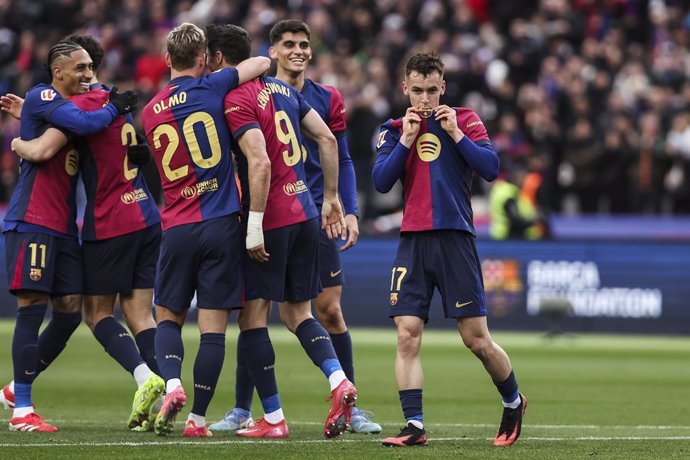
<point>382,139</point>
<point>48,95</point>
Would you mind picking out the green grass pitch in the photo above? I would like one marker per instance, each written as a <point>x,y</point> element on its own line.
<point>621,397</point>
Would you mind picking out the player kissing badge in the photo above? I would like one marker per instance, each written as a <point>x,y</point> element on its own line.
<point>424,112</point>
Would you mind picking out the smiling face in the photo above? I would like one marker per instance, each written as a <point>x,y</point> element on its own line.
<point>292,52</point>
<point>424,90</point>
<point>72,74</point>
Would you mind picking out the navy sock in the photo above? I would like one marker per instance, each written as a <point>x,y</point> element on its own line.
<point>54,337</point>
<point>117,343</point>
<point>508,388</point>
<point>207,367</point>
<point>342,344</point>
<point>145,343</point>
<point>260,359</point>
<point>411,402</point>
<point>169,349</point>
<point>244,386</point>
<point>317,343</point>
<point>25,350</point>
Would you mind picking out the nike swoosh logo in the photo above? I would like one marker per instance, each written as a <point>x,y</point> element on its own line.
<point>29,372</point>
<point>334,274</point>
<point>460,305</point>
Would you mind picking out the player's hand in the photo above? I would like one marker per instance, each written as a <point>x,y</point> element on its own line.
<point>13,144</point>
<point>332,217</point>
<point>258,253</point>
<point>140,153</point>
<point>411,122</point>
<point>12,104</point>
<point>124,102</point>
<point>255,237</point>
<point>448,119</point>
<point>351,232</point>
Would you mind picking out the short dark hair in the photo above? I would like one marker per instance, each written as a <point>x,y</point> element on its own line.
<point>425,63</point>
<point>232,41</point>
<point>61,49</point>
<point>288,25</point>
<point>91,46</point>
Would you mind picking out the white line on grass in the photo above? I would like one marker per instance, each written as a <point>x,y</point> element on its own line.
<point>182,442</point>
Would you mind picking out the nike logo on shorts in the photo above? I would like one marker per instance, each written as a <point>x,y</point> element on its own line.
<point>334,274</point>
<point>460,305</point>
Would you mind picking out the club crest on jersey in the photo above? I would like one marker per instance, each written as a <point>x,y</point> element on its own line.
<point>48,94</point>
<point>424,112</point>
<point>35,274</point>
<point>382,139</point>
<point>394,299</point>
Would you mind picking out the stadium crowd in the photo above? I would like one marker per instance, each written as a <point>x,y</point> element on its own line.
<point>592,94</point>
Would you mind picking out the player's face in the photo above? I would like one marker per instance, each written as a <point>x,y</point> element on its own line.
<point>73,74</point>
<point>424,91</point>
<point>293,52</point>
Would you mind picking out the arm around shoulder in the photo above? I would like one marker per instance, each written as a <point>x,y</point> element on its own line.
<point>42,148</point>
<point>251,68</point>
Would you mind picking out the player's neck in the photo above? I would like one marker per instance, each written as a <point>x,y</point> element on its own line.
<point>296,80</point>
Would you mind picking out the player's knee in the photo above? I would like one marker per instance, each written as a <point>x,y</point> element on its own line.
<point>478,345</point>
<point>331,317</point>
<point>68,304</point>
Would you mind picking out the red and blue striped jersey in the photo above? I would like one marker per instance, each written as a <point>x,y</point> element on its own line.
<point>186,129</point>
<point>118,200</point>
<point>436,178</point>
<point>275,108</point>
<point>328,103</point>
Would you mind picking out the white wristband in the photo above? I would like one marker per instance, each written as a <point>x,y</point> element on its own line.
<point>255,232</point>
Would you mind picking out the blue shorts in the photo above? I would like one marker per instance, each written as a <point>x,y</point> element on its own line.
<point>44,263</point>
<point>330,265</point>
<point>442,259</point>
<point>206,257</point>
<point>123,263</point>
<point>291,273</point>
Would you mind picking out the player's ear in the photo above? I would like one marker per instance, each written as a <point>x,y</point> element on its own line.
<point>443,87</point>
<point>167,60</point>
<point>272,53</point>
<point>404,87</point>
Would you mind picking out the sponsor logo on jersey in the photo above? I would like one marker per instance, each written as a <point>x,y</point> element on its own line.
<point>35,274</point>
<point>48,94</point>
<point>234,108</point>
<point>295,188</point>
<point>135,195</point>
<point>473,123</point>
<point>206,186</point>
<point>394,299</point>
<point>72,162</point>
<point>382,139</point>
<point>428,147</point>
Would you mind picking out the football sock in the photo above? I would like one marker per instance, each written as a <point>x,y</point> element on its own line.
<point>317,343</point>
<point>199,420</point>
<point>207,367</point>
<point>260,359</point>
<point>411,402</point>
<point>25,351</point>
<point>118,343</point>
<point>336,378</point>
<point>169,350</point>
<point>22,411</point>
<point>342,344</point>
<point>172,384</point>
<point>244,387</point>
<point>145,343</point>
<point>54,337</point>
<point>509,391</point>
<point>141,374</point>
<point>275,416</point>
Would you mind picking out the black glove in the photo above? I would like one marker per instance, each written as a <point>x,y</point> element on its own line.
<point>124,102</point>
<point>139,154</point>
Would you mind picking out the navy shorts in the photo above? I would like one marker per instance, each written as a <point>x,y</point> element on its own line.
<point>442,259</point>
<point>291,273</point>
<point>330,265</point>
<point>206,257</point>
<point>45,263</point>
<point>123,263</point>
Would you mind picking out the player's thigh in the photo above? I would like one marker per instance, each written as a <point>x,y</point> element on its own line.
<point>254,314</point>
<point>220,277</point>
<point>177,267</point>
<point>456,269</point>
<point>97,307</point>
<point>302,281</point>
<point>411,289</point>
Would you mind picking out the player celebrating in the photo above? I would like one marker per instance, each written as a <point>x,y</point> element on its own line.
<point>201,249</point>
<point>265,116</point>
<point>42,253</point>
<point>121,235</point>
<point>434,150</point>
<point>292,53</point>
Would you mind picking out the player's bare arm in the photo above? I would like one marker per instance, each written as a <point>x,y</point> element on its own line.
<point>253,67</point>
<point>448,119</point>
<point>42,148</point>
<point>253,147</point>
<point>331,212</point>
<point>411,123</point>
<point>12,104</point>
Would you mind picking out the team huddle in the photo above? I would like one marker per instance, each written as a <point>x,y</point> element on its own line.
<point>272,238</point>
